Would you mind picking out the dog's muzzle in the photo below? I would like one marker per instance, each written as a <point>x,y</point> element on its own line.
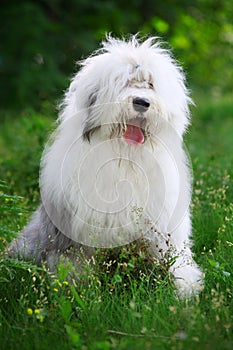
<point>134,133</point>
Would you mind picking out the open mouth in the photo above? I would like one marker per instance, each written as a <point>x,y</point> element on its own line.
<point>134,133</point>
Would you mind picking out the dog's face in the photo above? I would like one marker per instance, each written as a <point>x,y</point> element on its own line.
<point>129,90</point>
<point>131,113</point>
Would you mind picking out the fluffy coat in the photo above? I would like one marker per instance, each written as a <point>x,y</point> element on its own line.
<point>115,170</point>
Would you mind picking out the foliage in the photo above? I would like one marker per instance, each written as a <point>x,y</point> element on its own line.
<point>125,301</point>
<point>41,40</point>
<point>22,139</point>
<point>10,214</point>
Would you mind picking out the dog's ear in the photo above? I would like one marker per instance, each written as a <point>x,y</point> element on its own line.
<point>89,127</point>
<point>88,131</point>
<point>92,99</point>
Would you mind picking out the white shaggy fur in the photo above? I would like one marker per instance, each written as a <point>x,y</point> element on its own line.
<point>97,189</point>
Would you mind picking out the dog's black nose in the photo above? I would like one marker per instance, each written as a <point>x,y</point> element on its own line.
<point>141,104</point>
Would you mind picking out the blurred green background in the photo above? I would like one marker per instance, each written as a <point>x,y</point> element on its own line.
<point>41,40</point>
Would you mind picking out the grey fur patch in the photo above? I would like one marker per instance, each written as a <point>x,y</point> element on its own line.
<point>41,241</point>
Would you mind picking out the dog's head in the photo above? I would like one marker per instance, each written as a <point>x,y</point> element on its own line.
<point>128,90</point>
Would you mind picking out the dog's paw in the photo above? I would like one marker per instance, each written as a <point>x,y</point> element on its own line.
<point>189,280</point>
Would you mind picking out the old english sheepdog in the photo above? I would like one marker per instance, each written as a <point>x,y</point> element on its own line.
<point>115,170</point>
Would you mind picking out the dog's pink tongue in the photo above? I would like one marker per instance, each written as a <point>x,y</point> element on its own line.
<point>133,135</point>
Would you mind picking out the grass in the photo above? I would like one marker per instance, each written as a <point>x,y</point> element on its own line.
<point>128,304</point>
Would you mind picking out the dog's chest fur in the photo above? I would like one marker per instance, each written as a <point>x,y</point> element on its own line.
<point>114,191</point>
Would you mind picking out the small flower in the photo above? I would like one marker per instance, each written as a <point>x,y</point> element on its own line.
<point>181,335</point>
<point>65,283</point>
<point>196,339</point>
<point>172,309</point>
<point>58,282</point>
<point>143,330</point>
<point>36,311</point>
<point>132,304</point>
<point>55,290</point>
<point>41,318</point>
<point>29,311</point>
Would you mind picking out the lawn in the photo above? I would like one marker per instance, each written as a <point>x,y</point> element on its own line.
<point>123,304</point>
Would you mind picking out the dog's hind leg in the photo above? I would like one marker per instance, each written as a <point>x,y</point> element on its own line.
<point>40,241</point>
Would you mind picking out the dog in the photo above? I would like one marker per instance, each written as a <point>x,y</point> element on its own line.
<point>115,170</point>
